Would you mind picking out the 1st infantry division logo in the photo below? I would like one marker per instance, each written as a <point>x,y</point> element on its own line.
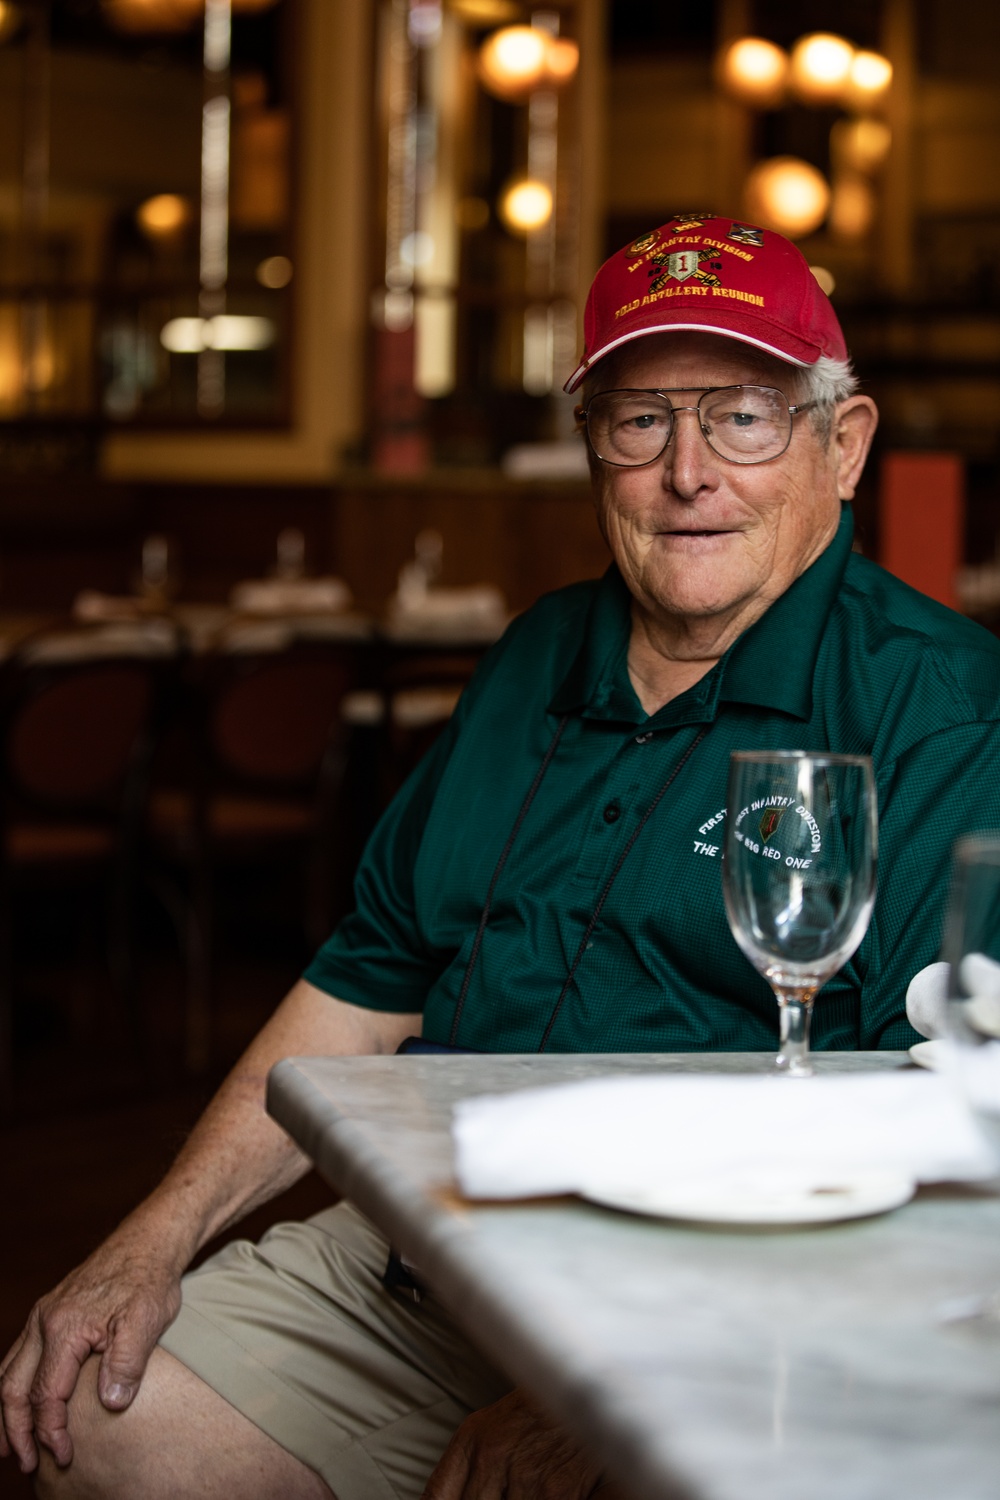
<point>769,820</point>
<point>680,265</point>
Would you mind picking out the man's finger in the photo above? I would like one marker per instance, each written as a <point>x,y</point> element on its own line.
<point>15,1398</point>
<point>63,1356</point>
<point>123,1365</point>
<point>448,1480</point>
<point>461,1475</point>
<point>9,1357</point>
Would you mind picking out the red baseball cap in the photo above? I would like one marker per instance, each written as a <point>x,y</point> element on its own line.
<point>713,275</point>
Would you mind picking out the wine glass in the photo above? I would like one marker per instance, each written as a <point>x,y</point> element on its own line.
<point>972,950</point>
<point>798,874</point>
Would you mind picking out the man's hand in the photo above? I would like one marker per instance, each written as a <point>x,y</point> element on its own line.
<point>512,1451</point>
<point>116,1304</point>
<point>122,1298</point>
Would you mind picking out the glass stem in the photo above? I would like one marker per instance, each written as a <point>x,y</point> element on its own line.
<point>794,1015</point>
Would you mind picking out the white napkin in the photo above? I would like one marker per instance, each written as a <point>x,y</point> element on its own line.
<point>566,459</point>
<point>141,638</point>
<point>291,596</point>
<point>927,996</point>
<point>93,607</point>
<point>478,612</point>
<point>632,1132</point>
<point>926,1001</point>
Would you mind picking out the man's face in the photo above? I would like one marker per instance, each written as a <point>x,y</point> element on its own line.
<point>693,535</point>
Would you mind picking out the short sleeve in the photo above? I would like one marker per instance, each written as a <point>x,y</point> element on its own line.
<point>943,788</point>
<point>376,957</point>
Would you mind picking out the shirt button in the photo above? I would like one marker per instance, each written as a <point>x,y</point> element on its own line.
<point>612,812</point>
<point>644,739</point>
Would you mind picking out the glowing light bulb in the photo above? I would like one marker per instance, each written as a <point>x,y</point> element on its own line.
<point>754,71</point>
<point>821,67</point>
<point>485,12</point>
<point>871,74</point>
<point>163,216</point>
<point>526,205</point>
<point>10,19</point>
<point>274,272</point>
<point>861,145</point>
<point>787,194</point>
<point>512,61</point>
<point>140,16</point>
<point>562,58</point>
<point>852,207</point>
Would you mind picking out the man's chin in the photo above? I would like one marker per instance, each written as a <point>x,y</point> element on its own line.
<point>689,593</point>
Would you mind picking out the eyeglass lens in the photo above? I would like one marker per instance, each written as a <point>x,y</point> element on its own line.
<point>744,423</point>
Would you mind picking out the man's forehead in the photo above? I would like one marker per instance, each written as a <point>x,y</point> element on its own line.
<point>686,359</point>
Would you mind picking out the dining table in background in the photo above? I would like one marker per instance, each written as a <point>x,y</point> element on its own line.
<point>700,1363</point>
<point>200,628</point>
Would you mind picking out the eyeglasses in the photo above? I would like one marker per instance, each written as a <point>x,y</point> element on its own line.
<point>744,424</point>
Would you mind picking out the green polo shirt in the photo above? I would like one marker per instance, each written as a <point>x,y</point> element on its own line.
<point>848,659</point>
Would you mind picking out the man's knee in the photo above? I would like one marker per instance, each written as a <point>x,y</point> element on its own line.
<point>179,1437</point>
<point>95,1433</point>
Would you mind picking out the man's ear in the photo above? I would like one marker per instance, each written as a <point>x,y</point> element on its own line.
<point>854,423</point>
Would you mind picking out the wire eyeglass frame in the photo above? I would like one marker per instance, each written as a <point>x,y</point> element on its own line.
<point>583,415</point>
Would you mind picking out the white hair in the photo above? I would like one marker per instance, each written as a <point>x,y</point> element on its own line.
<point>825,383</point>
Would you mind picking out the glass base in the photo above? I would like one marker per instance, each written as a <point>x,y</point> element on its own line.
<point>976,1314</point>
<point>797,1066</point>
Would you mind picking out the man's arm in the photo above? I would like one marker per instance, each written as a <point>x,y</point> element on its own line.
<point>128,1291</point>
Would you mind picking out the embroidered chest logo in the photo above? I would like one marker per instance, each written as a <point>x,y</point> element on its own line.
<point>757,825</point>
<point>801,840</point>
<point>709,840</point>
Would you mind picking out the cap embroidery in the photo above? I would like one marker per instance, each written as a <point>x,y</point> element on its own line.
<point>643,243</point>
<point>745,234</point>
<point>690,221</point>
<point>682,265</point>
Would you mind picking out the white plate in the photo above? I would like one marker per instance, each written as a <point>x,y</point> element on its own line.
<point>929,1054</point>
<point>760,1202</point>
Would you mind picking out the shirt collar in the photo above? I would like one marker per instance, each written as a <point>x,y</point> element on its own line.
<point>597,683</point>
<point>771,665</point>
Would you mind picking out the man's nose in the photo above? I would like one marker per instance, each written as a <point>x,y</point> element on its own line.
<point>689,460</point>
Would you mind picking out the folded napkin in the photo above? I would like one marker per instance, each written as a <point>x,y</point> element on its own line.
<point>289,596</point>
<point>93,607</point>
<point>566,459</point>
<point>927,1001</point>
<point>634,1132</point>
<point>479,609</point>
<point>927,996</point>
<point>141,638</point>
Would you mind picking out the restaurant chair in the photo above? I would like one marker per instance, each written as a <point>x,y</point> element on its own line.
<point>77,736</point>
<point>390,725</point>
<point>421,689</point>
<point>257,784</point>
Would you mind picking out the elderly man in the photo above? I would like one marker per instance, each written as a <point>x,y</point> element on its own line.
<point>548,878</point>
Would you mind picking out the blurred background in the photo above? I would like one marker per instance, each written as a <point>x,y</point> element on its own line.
<point>288,292</point>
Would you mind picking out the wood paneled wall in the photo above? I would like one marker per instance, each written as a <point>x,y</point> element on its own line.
<point>57,537</point>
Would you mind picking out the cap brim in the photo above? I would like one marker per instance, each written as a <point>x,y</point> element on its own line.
<point>755,334</point>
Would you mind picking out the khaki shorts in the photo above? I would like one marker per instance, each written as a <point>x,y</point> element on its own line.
<point>364,1385</point>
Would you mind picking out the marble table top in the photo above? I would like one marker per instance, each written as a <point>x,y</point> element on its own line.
<point>702,1364</point>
